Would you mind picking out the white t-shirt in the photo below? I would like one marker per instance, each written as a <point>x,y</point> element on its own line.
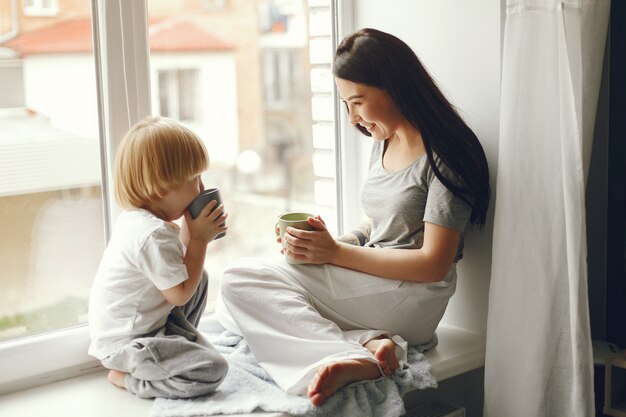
<point>143,257</point>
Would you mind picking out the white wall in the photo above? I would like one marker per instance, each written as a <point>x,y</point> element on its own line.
<point>459,42</point>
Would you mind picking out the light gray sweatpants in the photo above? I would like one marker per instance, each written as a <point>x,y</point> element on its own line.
<point>177,361</point>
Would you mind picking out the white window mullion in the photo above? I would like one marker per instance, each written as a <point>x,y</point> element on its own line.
<point>329,22</point>
<point>322,111</point>
<point>125,68</point>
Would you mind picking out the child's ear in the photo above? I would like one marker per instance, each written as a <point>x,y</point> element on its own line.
<point>160,194</point>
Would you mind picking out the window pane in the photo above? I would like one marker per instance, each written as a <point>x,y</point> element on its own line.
<point>243,83</point>
<point>50,194</point>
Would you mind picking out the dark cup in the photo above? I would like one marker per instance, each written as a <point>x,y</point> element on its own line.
<point>200,202</point>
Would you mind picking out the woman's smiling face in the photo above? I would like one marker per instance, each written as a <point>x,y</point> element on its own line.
<point>370,107</point>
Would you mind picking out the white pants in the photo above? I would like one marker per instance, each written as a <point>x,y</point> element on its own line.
<point>297,318</point>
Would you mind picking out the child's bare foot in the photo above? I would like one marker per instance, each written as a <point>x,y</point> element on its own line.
<point>117,378</point>
<point>333,376</point>
<point>384,350</point>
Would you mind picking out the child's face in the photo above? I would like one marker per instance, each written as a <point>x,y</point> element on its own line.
<point>175,201</point>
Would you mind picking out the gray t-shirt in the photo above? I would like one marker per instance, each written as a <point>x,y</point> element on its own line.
<point>399,202</point>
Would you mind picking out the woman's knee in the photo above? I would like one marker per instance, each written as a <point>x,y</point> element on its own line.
<point>206,377</point>
<point>238,278</point>
<point>230,283</point>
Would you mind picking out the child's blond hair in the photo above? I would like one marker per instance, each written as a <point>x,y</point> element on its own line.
<point>155,156</point>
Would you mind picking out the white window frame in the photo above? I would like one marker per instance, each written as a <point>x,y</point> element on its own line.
<point>348,141</point>
<point>123,78</point>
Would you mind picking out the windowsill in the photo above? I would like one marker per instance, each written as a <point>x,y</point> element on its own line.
<point>459,351</point>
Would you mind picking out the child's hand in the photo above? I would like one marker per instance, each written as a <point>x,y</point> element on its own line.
<point>184,232</point>
<point>208,224</point>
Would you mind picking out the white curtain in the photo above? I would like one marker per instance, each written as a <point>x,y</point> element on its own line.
<point>539,358</point>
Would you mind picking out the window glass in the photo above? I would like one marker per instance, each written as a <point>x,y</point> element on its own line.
<point>50,181</point>
<point>251,78</point>
<point>245,78</point>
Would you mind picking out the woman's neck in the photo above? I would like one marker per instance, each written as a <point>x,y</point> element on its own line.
<point>402,149</point>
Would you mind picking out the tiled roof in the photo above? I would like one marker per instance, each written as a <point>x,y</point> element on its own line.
<point>68,36</point>
<point>71,36</point>
<point>181,35</point>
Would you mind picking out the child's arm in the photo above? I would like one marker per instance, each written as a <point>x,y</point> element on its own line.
<point>202,230</point>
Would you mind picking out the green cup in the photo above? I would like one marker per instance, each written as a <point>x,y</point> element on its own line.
<point>295,220</point>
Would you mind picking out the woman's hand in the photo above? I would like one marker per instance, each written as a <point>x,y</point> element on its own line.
<point>208,224</point>
<point>313,247</point>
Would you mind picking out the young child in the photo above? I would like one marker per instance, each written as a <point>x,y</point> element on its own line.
<point>151,289</point>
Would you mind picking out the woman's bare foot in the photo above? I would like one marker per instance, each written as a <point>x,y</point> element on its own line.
<point>384,350</point>
<point>333,376</point>
<point>117,378</point>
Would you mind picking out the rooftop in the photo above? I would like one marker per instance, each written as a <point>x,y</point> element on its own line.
<point>73,36</point>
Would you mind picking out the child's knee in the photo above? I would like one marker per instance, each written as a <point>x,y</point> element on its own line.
<point>209,379</point>
<point>213,368</point>
<point>220,366</point>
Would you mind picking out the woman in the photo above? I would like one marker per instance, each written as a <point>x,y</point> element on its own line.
<point>346,314</point>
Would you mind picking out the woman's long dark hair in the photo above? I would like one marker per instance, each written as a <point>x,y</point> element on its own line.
<point>381,60</point>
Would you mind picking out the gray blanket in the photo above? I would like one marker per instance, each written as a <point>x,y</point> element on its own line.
<point>248,388</point>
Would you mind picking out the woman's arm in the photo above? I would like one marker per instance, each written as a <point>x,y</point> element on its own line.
<point>430,263</point>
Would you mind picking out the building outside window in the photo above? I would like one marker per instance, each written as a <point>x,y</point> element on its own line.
<point>252,102</point>
<point>211,70</point>
<point>51,202</point>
